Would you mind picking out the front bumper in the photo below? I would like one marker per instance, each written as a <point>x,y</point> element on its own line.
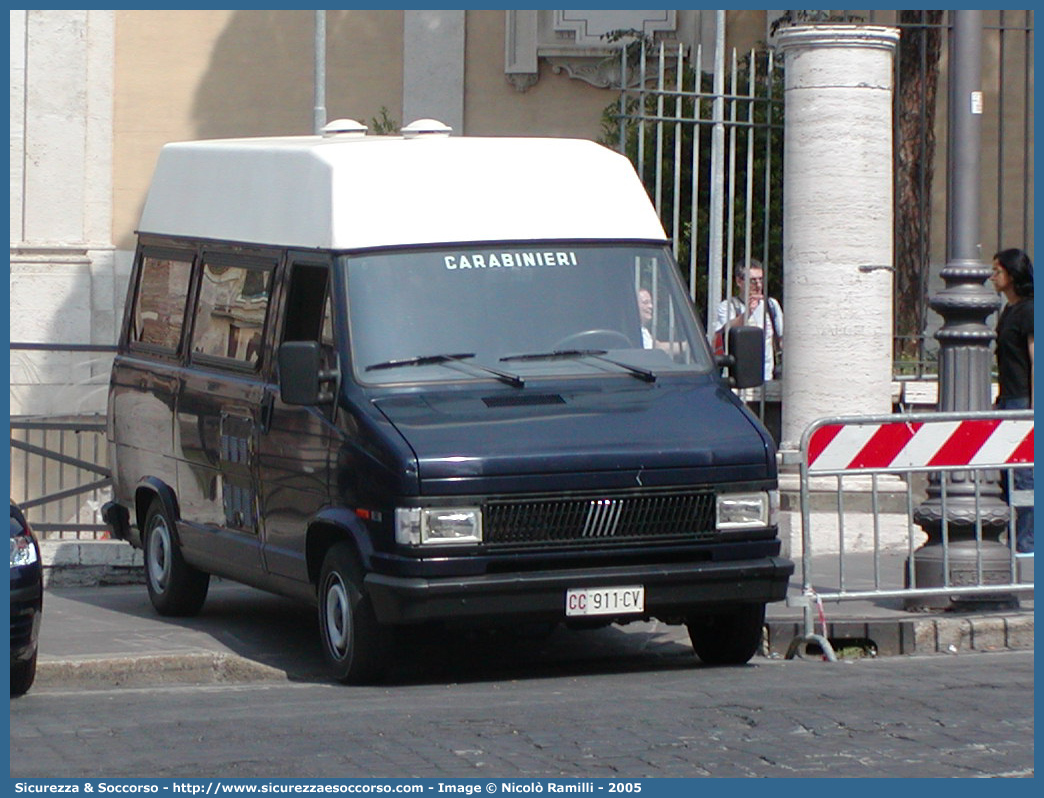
<point>672,590</point>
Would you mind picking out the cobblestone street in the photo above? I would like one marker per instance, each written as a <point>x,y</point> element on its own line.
<point>968,715</point>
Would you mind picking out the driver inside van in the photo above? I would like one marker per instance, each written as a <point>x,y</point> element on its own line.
<point>646,313</point>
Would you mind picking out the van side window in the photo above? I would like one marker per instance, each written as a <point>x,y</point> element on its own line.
<point>158,313</point>
<point>231,311</point>
<point>308,316</point>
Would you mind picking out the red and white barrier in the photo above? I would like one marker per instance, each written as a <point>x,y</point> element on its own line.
<point>970,442</point>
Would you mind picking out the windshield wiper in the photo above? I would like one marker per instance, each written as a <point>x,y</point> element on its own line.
<point>460,357</point>
<point>597,354</point>
<point>424,360</point>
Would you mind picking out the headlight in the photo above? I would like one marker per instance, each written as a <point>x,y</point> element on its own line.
<point>747,510</point>
<point>23,552</point>
<point>438,526</point>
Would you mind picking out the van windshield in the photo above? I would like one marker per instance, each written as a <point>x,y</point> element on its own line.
<point>483,312</point>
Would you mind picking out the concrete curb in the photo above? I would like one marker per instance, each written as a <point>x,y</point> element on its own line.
<point>82,563</point>
<point>897,636</point>
<point>153,669</point>
<point>851,639</point>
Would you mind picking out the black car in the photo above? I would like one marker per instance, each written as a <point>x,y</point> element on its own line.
<point>26,601</point>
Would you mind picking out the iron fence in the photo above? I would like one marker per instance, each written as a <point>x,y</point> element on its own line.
<point>710,155</point>
<point>59,464</point>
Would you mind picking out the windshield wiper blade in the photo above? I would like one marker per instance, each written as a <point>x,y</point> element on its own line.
<point>597,354</point>
<point>430,360</point>
<point>556,353</point>
<point>423,360</point>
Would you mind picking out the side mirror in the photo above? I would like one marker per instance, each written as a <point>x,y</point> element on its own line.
<point>301,375</point>
<point>746,358</point>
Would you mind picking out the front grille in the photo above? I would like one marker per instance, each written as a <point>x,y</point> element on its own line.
<point>594,519</point>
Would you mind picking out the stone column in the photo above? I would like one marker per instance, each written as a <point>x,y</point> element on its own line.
<point>63,285</point>
<point>837,234</point>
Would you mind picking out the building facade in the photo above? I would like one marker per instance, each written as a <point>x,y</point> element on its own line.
<point>95,94</point>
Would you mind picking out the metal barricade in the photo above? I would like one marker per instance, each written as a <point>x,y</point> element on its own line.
<point>949,472</point>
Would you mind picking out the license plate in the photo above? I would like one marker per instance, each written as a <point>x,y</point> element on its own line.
<point>605,600</point>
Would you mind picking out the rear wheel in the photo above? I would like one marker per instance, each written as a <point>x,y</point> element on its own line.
<point>728,638</point>
<point>175,587</point>
<point>22,676</point>
<point>357,648</point>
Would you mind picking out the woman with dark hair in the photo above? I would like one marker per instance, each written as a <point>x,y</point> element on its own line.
<point>1013,277</point>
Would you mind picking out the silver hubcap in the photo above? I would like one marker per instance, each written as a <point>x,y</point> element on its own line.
<point>159,552</point>
<point>338,616</point>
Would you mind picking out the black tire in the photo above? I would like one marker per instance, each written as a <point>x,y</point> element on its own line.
<point>728,638</point>
<point>356,647</point>
<point>22,676</point>
<point>175,588</point>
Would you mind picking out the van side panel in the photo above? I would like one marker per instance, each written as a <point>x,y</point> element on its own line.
<point>142,396</point>
<point>296,445</point>
<point>146,374</point>
<point>216,424</point>
<point>219,412</point>
<point>295,478</point>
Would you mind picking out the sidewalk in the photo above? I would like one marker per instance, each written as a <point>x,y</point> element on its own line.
<point>103,636</point>
<point>884,626</point>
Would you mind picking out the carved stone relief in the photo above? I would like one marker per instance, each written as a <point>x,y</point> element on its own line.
<point>589,27</point>
<point>574,42</point>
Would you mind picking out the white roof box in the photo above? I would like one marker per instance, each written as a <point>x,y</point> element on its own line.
<point>346,190</point>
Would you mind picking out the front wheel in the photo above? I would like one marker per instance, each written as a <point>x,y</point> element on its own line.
<point>357,648</point>
<point>175,587</point>
<point>728,638</point>
<point>22,675</point>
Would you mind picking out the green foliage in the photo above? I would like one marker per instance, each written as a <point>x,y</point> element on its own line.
<point>632,128</point>
<point>633,48</point>
<point>383,125</point>
<point>812,17</point>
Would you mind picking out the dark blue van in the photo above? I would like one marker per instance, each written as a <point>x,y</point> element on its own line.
<point>434,378</point>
